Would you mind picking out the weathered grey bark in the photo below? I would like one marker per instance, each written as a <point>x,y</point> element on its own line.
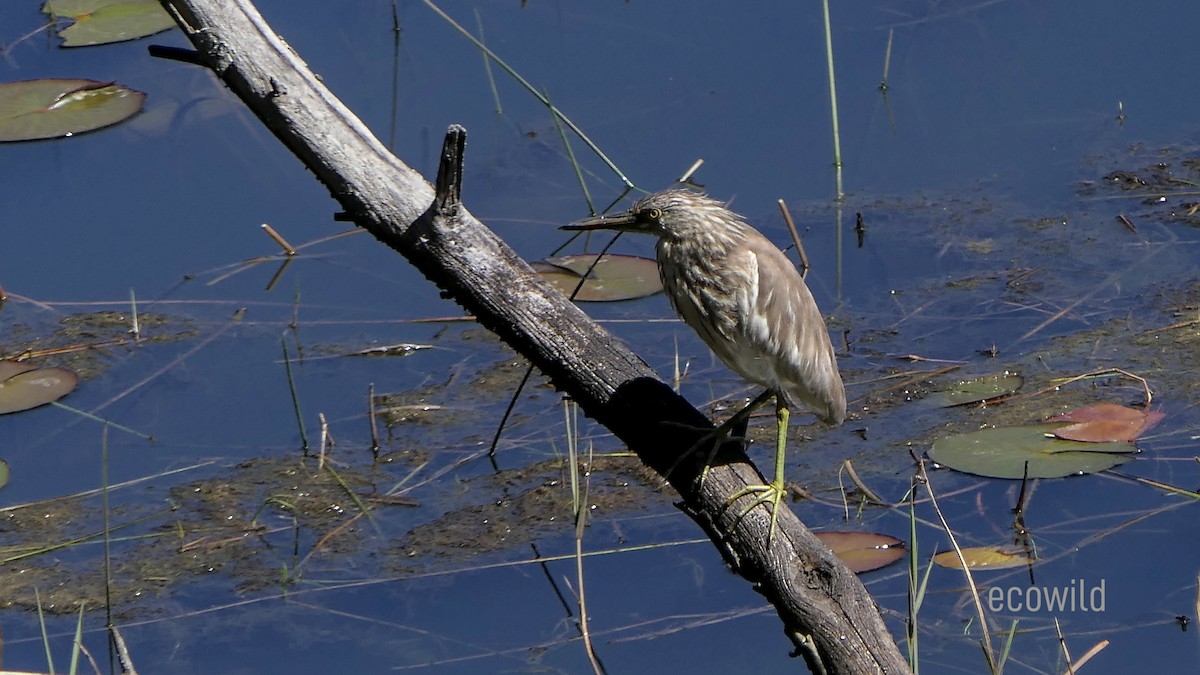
<point>825,609</point>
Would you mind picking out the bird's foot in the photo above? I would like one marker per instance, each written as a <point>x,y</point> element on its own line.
<point>770,494</point>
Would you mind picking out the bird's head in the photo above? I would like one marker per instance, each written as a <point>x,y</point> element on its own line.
<point>671,214</point>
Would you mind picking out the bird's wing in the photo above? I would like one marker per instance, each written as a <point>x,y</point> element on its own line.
<point>782,321</point>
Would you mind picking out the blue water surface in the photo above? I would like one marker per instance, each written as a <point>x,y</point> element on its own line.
<point>968,167</point>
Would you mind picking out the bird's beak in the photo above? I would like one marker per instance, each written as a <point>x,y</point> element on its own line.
<point>619,221</point>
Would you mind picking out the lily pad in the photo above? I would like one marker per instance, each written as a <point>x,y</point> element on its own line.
<point>979,389</point>
<point>98,22</point>
<point>984,558</point>
<point>24,386</point>
<point>9,368</point>
<point>3,473</point>
<point>1003,452</point>
<point>1105,422</point>
<point>38,109</point>
<point>614,277</point>
<point>863,551</point>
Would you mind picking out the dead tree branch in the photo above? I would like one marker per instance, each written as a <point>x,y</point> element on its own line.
<point>825,609</point>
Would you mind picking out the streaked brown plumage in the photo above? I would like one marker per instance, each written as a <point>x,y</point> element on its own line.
<point>745,299</point>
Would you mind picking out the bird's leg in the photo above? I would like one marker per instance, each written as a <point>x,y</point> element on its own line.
<point>742,415</point>
<point>772,492</point>
<point>728,430</point>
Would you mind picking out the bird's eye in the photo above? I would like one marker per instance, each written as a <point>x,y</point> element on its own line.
<point>654,214</point>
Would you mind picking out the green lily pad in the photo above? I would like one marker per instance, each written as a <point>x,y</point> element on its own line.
<point>39,109</point>
<point>98,22</point>
<point>614,277</point>
<point>1003,453</point>
<point>24,386</point>
<point>3,473</point>
<point>863,551</point>
<point>979,389</point>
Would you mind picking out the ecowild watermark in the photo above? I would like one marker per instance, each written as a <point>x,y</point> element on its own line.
<point>1076,596</point>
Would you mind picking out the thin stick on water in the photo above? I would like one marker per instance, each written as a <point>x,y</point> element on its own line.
<point>787,218</point>
<point>491,454</point>
<point>487,65</point>
<point>37,599</point>
<point>530,88</point>
<point>677,375</point>
<point>1087,656</point>
<point>394,116</point>
<point>1062,644</point>
<point>287,365</point>
<point>123,656</point>
<point>77,642</point>
<point>916,591</point>
<point>512,403</point>
<point>833,109</point>
<point>295,322</point>
<point>986,642</point>
<point>587,195</point>
<point>288,249</point>
<point>374,426</point>
<point>579,499</point>
<point>887,61</point>
<point>324,441</point>
<point>686,178</point>
<point>106,422</point>
<point>106,513</point>
<point>134,329</point>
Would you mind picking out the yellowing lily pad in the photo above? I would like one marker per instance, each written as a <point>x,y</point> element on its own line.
<point>9,368</point>
<point>1003,453</point>
<point>614,277</point>
<point>24,386</point>
<point>984,558</point>
<point>863,551</point>
<point>98,22</point>
<point>3,473</point>
<point>39,109</point>
<point>965,392</point>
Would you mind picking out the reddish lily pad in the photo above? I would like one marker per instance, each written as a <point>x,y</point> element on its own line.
<point>966,392</point>
<point>614,277</point>
<point>1003,453</point>
<point>39,109</point>
<point>23,386</point>
<point>98,22</point>
<point>984,558</point>
<point>1105,423</point>
<point>863,551</point>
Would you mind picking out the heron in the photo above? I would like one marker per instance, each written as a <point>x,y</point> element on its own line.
<point>748,303</point>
